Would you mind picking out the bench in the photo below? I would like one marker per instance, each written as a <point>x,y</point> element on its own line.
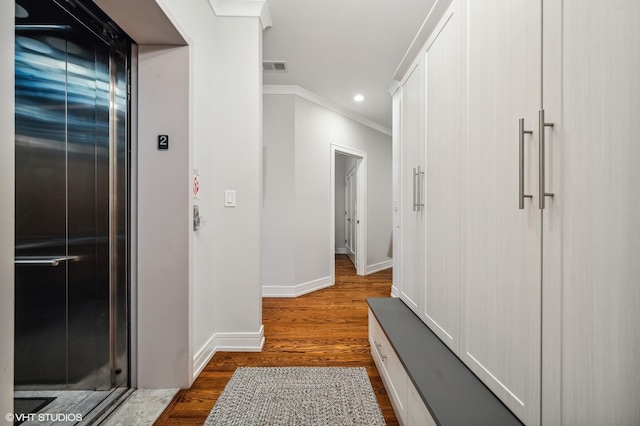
<point>426,382</point>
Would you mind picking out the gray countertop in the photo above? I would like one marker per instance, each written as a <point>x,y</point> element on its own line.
<point>452,393</point>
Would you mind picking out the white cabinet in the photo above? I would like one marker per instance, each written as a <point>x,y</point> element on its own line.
<point>547,301</point>
<point>562,282</point>
<point>417,412</point>
<point>500,295</point>
<point>591,231</point>
<point>411,183</point>
<point>430,170</point>
<point>408,405</point>
<point>390,368</point>
<point>440,298</point>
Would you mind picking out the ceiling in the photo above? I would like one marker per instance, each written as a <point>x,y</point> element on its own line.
<point>339,48</point>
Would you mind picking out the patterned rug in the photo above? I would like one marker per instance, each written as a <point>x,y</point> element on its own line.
<point>304,396</point>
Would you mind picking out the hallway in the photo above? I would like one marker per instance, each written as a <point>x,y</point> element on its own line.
<point>324,328</point>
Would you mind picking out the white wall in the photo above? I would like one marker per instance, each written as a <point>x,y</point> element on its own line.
<point>278,211</point>
<point>237,165</point>
<point>316,128</point>
<point>223,97</point>
<point>226,126</point>
<point>340,169</point>
<point>199,24</point>
<point>164,234</point>
<point>7,207</point>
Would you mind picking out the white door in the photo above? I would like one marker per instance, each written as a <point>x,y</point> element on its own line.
<point>351,214</point>
<point>442,207</point>
<point>501,288</point>
<point>411,181</point>
<point>592,224</point>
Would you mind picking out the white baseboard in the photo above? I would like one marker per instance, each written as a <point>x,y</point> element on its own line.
<point>341,250</point>
<point>395,291</point>
<point>297,290</point>
<point>372,269</point>
<point>227,342</point>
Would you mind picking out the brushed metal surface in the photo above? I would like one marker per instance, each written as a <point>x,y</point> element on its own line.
<point>65,203</point>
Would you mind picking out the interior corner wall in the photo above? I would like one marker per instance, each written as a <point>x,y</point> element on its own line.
<point>340,170</point>
<point>278,210</point>
<point>315,129</point>
<point>211,290</point>
<point>164,213</point>
<point>237,165</point>
<point>200,24</point>
<point>7,207</point>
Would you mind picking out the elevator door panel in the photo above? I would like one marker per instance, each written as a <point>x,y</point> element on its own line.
<point>88,212</point>
<point>71,138</point>
<point>40,343</point>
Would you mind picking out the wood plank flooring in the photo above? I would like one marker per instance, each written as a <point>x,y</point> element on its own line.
<point>327,328</point>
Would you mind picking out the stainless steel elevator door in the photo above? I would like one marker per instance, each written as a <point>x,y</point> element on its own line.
<point>71,204</point>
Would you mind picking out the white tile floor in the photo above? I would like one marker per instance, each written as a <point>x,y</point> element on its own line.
<point>141,408</point>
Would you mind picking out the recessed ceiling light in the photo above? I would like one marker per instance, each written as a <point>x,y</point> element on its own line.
<point>358,98</point>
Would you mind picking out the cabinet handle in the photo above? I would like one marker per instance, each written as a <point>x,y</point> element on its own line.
<point>420,191</point>
<point>378,347</point>
<point>522,132</point>
<point>541,128</point>
<point>415,204</point>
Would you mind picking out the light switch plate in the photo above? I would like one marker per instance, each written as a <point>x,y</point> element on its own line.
<point>230,198</point>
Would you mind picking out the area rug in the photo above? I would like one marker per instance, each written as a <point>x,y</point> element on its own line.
<point>300,396</point>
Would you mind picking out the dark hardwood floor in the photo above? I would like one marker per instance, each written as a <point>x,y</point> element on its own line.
<point>322,329</point>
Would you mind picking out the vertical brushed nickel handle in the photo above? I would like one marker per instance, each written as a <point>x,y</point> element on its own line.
<point>522,195</point>
<point>420,196</point>
<point>415,203</point>
<point>541,128</point>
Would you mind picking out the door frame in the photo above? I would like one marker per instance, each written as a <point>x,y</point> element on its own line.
<point>361,206</point>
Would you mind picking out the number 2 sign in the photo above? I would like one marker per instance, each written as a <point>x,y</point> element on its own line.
<point>163,142</point>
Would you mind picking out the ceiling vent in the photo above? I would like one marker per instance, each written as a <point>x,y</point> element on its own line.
<point>274,66</point>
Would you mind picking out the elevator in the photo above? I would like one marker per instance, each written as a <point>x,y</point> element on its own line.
<point>72,198</point>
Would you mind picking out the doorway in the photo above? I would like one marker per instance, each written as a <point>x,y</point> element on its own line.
<point>72,198</point>
<point>348,207</point>
<point>351,209</point>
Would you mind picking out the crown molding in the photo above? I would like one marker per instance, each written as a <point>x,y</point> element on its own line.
<point>243,8</point>
<point>429,24</point>
<point>393,87</point>
<point>319,100</point>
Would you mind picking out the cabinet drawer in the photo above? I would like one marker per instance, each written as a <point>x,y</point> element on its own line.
<point>391,370</point>
<point>417,412</point>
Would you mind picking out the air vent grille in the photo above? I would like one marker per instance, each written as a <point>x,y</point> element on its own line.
<point>274,66</point>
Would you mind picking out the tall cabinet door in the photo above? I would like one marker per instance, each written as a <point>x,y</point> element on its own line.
<point>592,224</point>
<point>501,289</point>
<point>442,207</point>
<point>411,182</point>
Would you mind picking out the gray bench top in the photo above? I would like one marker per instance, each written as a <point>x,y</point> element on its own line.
<point>451,392</point>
